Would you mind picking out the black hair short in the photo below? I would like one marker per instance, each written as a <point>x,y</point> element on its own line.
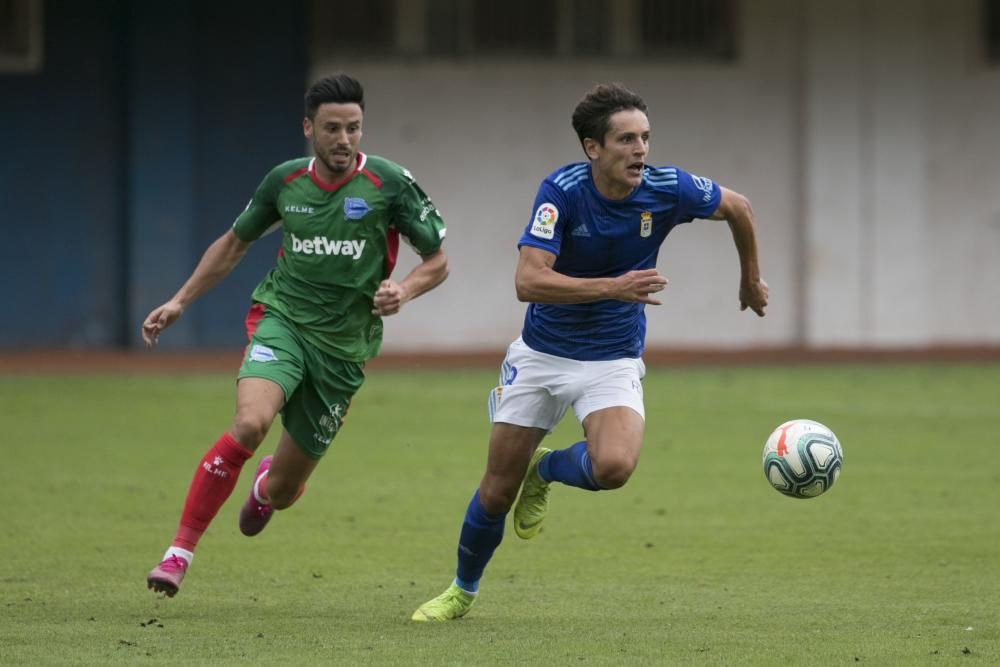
<point>591,118</point>
<point>336,89</point>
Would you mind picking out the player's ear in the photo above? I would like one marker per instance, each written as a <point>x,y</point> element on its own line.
<point>307,127</point>
<point>590,148</point>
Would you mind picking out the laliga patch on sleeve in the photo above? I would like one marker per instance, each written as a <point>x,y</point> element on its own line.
<point>544,224</point>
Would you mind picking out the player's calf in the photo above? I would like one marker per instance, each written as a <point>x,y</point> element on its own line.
<point>257,510</point>
<point>264,500</point>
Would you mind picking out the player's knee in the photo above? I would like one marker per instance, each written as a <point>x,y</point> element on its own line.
<point>613,473</point>
<point>497,499</point>
<point>250,429</point>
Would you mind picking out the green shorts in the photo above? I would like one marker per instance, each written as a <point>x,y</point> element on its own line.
<point>318,387</point>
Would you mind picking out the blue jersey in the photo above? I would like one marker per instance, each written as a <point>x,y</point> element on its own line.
<point>596,237</point>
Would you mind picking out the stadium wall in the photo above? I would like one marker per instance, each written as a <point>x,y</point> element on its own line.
<point>138,141</point>
<point>864,133</point>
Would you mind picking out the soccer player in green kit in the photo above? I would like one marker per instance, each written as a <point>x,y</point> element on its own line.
<point>316,317</point>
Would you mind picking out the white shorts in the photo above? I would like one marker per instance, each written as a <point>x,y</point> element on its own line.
<point>536,388</point>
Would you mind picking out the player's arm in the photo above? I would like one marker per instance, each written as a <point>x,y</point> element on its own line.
<point>218,262</point>
<point>537,282</point>
<point>735,209</point>
<point>391,296</point>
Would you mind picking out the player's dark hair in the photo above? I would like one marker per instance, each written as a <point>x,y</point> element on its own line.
<point>336,89</point>
<point>592,115</point>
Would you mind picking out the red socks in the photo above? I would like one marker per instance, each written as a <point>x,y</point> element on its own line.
<point>213,482</point>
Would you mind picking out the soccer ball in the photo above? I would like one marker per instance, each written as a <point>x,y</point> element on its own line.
<point>802,458</point>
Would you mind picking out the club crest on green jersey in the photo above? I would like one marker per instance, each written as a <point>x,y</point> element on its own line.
<point>355,208</point>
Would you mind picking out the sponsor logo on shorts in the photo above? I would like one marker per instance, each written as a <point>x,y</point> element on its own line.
<point>330,423</point>
<point>320,245</point>
<point>544,224</point>
<point>262,353</point>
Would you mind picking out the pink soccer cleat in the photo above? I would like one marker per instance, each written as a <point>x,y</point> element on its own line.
<point>254,514</point>
<point>167,576</point>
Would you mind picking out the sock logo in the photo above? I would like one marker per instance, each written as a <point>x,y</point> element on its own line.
<point>320,245</point>
<point>214,468</point>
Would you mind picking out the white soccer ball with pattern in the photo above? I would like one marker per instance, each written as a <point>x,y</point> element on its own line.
<point>802,458</point>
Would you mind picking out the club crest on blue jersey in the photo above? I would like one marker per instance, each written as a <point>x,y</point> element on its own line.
<point>355,208</point>
<point>645,223</point>
<point>544,224</point>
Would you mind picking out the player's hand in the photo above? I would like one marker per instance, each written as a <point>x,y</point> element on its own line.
<point>158,320</point>
<point>389,298</point>
<point>636,286</point>
<point>753,295</point>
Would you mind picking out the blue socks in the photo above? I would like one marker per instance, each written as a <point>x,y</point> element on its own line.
<point>482,532</point>
<point>571,466</point>
<point>481,535</point>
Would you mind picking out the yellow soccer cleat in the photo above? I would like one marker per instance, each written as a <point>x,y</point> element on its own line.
<point>453,603</point>
<point>529,512</point>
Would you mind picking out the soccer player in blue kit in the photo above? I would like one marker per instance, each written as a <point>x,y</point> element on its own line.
<point>587,269</point>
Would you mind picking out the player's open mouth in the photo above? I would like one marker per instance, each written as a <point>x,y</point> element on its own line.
<point>635,168</point>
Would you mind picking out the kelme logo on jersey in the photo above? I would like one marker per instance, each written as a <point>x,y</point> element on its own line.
<point>645,224</point>
<point>544,224</point>
<point>355,208</point>
<point>320,245</point>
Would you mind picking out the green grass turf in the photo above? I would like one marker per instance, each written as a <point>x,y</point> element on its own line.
<point>696,561</point>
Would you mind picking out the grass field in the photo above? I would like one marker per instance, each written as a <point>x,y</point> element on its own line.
<point>697,561</point>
